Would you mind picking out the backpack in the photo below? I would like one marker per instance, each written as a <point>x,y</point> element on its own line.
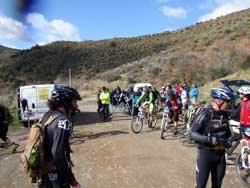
<point>193,112</point>
<point>32,159</point>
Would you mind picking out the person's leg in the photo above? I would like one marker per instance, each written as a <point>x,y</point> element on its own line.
<point>3,136</point>
<point>218,170</point>
<point>176,120</point>
<point>99,105</point>
<point>151,114</point>
<point>202,168</point>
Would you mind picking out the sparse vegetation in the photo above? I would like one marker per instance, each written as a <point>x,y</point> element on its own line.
<point>199,53</point>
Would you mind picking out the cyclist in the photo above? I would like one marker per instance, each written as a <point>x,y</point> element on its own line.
<point>105,99</point>
<point>184,100</point>
<point>135,97</point>
<point>163,96</point>
<point>57,150</point>
<point>115,95</point>
<point>176,105</point>
<point>99,102</point>
<point>211,130</point>
<point>5,120</point>
<point>244,93</point>
<point>148,102</point>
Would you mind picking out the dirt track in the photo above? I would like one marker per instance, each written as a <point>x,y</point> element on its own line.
<point>109,155</point>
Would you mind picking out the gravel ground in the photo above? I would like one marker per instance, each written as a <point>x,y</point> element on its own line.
<point>110,155</point>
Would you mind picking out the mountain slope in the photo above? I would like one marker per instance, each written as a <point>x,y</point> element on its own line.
<point>199,53</point>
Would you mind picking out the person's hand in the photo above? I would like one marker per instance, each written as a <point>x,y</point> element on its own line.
<point>227,143</point>
<point>75,184</point>
<point>212,140</point>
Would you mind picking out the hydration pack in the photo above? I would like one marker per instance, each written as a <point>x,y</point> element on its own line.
<point>32,159</point>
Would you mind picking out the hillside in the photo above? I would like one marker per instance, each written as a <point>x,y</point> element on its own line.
<point>199,53</point>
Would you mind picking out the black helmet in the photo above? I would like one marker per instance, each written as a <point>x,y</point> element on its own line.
<point>65,95</point>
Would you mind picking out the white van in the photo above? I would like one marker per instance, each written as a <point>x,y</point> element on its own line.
<point>142,85</point>
<point>32,101</point>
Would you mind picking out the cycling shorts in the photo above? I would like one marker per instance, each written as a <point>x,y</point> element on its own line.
<point>149,106</point>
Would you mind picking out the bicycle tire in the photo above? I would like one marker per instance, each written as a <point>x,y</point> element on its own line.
<point>136,124</point>
<point>245,179</point>
<point>163,127</point>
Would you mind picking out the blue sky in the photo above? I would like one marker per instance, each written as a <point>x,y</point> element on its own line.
<point>46,21</point>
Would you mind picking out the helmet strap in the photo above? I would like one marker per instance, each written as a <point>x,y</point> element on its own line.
<point>219,105</point>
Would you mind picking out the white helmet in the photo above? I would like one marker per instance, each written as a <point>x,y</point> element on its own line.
<point>245,90</point>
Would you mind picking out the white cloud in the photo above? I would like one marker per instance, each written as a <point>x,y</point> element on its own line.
<point>225,7</point>
<point>53,30</point>
<point>178,12</point>
<point>11,29</point>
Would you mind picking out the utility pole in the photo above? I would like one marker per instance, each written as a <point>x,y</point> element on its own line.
<point>70,79</point>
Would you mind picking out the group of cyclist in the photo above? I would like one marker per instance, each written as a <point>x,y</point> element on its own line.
<point>210,128</point>
<point>212,132</point>
<point>175,97</point>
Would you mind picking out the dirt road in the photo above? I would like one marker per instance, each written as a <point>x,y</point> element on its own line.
<point>109,155</point>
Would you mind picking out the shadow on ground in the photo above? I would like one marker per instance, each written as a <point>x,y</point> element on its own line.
<point>85,118</point>
<point>79,138</point>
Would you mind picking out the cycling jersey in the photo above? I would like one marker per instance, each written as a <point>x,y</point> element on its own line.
<point>57,150</point>
<point>245,113</point>
<point>105,97</point>
<point>211,155</point>
<point>146,98</point>
<point>213,124</point>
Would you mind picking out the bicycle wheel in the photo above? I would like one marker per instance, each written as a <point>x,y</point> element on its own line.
<point>136,124</point>
<point>243,173</point>
<point>163,127</point>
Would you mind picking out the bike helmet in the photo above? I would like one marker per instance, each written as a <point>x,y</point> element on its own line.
<point>104,88</point>
<point>246,132</point>
<point>222,93</point>
<point>245,90</point>
<point>65,95</point>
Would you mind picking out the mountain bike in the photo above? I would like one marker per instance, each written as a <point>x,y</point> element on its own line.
<point>142,118</point>
<point>164,122</point>
<point>243,163</point>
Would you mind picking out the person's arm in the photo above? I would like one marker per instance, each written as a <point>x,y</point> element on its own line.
<point>140,98</point>
<point>151,98</point>
<point>196,132</point>
<point>60,150</point>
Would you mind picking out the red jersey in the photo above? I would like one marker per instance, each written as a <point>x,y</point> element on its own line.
<point>176,103</point>
<point>245,113</point>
